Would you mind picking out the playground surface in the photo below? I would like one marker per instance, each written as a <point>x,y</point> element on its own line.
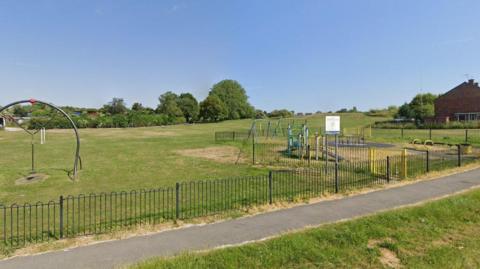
<point>238,231</point>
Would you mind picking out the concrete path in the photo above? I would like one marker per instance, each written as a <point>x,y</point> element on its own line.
<point>121,252</point>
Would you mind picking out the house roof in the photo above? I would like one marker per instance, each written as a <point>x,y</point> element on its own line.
<point>470,82</point>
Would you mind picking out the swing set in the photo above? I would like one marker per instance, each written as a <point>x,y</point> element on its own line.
<point>7,116</point>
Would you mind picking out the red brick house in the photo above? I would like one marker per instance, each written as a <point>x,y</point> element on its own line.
<point>461,103</point>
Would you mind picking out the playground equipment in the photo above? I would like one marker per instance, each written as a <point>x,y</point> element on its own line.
<point>298,139</point>
<point>32,133</point>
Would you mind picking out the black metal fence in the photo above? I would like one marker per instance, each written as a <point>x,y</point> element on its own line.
<point>72,216</point>
<point>437,135</point>
<point>231,136</point>
<point>79,215</point>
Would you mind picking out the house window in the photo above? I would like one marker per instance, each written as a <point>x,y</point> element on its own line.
<point>467,116</point>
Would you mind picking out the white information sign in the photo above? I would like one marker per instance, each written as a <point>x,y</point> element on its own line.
<point>332,124</point>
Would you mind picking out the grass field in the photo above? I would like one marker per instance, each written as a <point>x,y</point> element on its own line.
<point>127,159</point>
<point>440,234</point>
<point>453,136</point>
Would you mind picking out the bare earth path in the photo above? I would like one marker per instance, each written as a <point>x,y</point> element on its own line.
<point>116,253</point>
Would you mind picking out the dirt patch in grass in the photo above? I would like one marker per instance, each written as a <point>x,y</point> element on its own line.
<point>30,179</point>
<point>221,154</point>
<point>388,257</point>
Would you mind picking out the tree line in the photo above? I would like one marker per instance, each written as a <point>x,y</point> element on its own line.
<point>227,100</point>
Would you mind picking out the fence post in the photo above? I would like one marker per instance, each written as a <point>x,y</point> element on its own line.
<point>401,132</point>
<point>430,134</point>
<point>60,202</point>
<point>336,163</point>
<point>177,200</point>
<point>253,146</point>
<point>466,135</point>
<point>428,161</point>
<point>270,187</point>
<point>404,162</point>
<point>308,154</point>
<point>459,153</point>
<point>388,169</point>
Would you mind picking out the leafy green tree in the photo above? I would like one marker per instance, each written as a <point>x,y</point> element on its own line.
<point>137,107</point>
<point>404,111</point>
<point>116,106</point>
<point>233,95</point>
<point>20,111</point>
<point>260,114</point>
<point>168,105</point>
<point>423,106</point>
<point>189,106</point>
<point>213,109</point>
<point>282,113</point>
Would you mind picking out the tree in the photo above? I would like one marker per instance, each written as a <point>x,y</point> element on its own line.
<point>116,106</point>
<point>233,95</point>
<point>20,111</point>
<point>189,106</point>
<point>404,111</point>
<point>422,106</point>
<point>137,107</point>
<point>260,114</point>
<point>213,109</point>
<point>282,113</point>
<point>168,105</point>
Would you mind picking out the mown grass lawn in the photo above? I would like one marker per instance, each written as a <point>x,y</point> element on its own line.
<point>123,159</point>
<point>454,136</point>
<point>439,234</point>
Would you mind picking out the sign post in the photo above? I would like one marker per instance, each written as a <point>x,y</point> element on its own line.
<point>332,127</point>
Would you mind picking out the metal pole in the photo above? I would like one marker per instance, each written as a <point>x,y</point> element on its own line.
<point>430,134</point>
<point>388,169</point>
<point>336,163</point>
<point>428,161</point>
<point>270,187</point>
<point>308,154</point>
<point>61,215</point>
<point>316,146</point>
<point>401,132</point>
<point>177,200</point>
<point>466,135</point>
<point>33,156</point>
<point>253,147</point>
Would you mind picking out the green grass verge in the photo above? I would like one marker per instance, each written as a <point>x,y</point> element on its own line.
<point>439,234</point>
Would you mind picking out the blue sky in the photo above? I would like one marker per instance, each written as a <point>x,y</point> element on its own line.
<point>301,55</point>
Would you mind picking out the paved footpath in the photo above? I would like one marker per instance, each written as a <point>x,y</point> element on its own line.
<point>121,252</point>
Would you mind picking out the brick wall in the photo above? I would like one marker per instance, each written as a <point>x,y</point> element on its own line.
<point>465,98</point>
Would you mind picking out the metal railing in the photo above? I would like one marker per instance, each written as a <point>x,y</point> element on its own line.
<point>72,216</point>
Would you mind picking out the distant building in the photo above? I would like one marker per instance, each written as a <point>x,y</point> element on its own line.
<point>461,103</point>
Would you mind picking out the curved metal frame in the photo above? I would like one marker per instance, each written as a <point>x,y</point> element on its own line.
<point>34,101</point>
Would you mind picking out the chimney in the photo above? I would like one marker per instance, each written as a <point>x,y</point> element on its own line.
<point>470,81</point>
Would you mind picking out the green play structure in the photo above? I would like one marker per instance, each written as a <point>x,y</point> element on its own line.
<point>297,136</point>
